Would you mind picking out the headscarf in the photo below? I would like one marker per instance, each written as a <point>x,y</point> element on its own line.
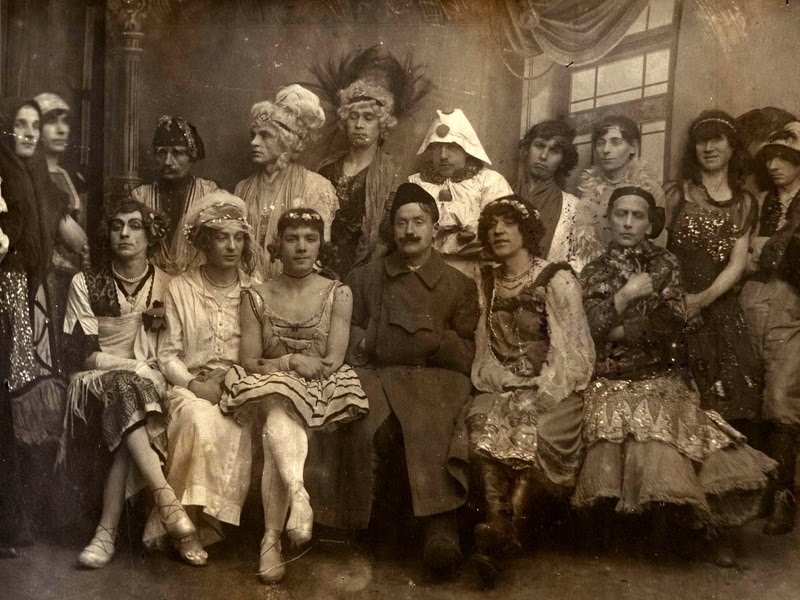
<point>177,131</point>
<point>217,210</point>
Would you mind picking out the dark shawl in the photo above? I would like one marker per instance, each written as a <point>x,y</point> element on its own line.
<point>38,204</point>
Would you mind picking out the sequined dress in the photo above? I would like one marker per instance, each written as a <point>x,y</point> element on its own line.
<point>721,357</point>
<point>346,227</point>
<point>648,442</point>
<point>338,398</point>
<point>533,354</point>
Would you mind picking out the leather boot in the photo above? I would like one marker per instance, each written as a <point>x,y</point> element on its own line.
<point>782,518</point>
<point>496,534</point>
<point>782,447</point>
<point>442,552</point>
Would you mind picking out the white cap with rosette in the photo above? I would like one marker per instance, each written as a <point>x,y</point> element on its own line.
<point>452,127</point>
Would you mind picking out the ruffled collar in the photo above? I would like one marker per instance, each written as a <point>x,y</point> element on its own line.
<point>643,251</point>
<point>647,257</point>
<point>594,181</point>
<point>428,174</point>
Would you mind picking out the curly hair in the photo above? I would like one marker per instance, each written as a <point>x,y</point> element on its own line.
<point>363,94</point>
<point>302,217</point>
<point>201,240</point>
<point>155,226</point>
<point>547,130</point>
<point>292,144</point>
<point>507,207</point>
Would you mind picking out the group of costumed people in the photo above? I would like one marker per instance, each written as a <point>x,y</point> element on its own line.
<point>404,348</point>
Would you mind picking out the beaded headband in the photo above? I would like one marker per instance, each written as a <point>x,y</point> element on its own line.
<point>217,216</point>
<point>264,118</point>
<point>365,99</point>
<point>714,120</point>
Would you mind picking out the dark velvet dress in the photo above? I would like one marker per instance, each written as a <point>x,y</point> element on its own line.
<point>721,357</point>
<point>346,230</point>
<point>648,442</point>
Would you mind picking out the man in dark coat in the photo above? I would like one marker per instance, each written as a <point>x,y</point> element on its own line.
<point>411,336</point>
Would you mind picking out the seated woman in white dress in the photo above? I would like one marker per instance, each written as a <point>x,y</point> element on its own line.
<point>210,456</point>
<point>293,378</point>
<point>114,313</point>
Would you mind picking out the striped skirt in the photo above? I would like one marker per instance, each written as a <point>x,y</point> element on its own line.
<point>339,398</point>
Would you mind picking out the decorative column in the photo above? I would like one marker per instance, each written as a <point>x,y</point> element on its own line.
<point>125,19</point>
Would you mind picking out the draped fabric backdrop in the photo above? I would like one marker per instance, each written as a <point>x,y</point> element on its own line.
<point>567,31</point>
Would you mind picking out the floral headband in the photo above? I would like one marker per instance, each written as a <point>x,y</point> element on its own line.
<point>306,216</point>
<point>516,205</point>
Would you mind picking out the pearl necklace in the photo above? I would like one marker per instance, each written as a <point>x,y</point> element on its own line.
<point>136,279</point>
<point>139,282</point>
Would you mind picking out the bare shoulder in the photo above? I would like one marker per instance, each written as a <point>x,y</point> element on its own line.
<point>343,294</point>
<point>262,288</point>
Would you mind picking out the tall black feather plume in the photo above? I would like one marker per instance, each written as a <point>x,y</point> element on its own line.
<point>406,81</point>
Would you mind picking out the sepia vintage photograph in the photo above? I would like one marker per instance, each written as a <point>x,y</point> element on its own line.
<point>447,299</point>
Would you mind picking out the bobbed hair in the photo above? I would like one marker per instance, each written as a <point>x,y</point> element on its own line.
<point>628,128</point>
<point>530,226</point>
<point>291,144</point>
<point>301,217</point>
<point>548,130</point>
<point>708,125</point>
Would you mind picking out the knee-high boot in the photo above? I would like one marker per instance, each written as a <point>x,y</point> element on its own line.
<point>496,534</point>
<point>782,447</point>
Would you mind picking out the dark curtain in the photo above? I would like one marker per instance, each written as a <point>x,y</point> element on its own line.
<point>567,31</point>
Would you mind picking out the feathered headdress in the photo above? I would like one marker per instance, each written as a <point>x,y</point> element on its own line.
<point>406,81</point>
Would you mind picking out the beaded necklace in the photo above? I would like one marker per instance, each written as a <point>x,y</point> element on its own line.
<point>521,366</point>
